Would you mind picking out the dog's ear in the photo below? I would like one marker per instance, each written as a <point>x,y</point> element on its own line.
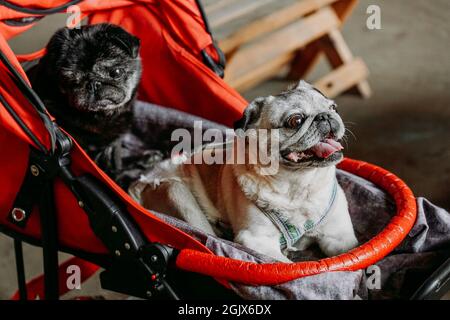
<point>57,49</point>
<point>60,40</point>
<point>303,85</point>
<point>122,39</point>
<point>61,35</point>
<point>250,115</point>
<point>128,42</point>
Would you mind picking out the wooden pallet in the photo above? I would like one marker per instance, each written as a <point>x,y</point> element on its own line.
<point>261,37</point>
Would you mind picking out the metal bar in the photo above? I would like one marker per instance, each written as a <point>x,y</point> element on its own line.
<point>14,7</point>
<point>20,268</point>
<point>436,286</point>
<point>49,242</point>
<point>170,291</point>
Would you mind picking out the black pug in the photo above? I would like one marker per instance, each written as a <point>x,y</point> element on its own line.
<point>88,81</point>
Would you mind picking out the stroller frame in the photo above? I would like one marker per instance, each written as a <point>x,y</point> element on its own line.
<point>108,220</point>
<point>140,259</point>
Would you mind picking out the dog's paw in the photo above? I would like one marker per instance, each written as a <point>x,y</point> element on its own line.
<point>277,255</point>
<point>336,246</point>
<point>283,259</point>
<point>304,243</point>
<point>269,246</point>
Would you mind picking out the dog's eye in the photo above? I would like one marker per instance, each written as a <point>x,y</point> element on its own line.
<point>115,73</point>
<point>333,107</point>
<point>295,121</point>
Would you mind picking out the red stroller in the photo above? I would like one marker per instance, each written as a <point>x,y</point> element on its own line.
<point>54,195</point>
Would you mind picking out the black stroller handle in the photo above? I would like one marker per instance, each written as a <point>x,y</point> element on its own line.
<point>219,66</point>
<point>15,7</point>
<point>34,101</point>
<point>138,267</point>
<point>436,286</point>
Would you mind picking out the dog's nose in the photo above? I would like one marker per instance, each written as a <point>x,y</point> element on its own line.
<point>109,92</point>
<point>324,116</point>
<point>94,86</point>
<point>97,85</point>
<point>326,123</point>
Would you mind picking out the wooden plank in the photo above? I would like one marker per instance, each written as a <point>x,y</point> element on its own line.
<point>343,78</point>
<point>343,9</point>
<point>363,89</point>
<point>261,73</point>
<point>234,10</point>
<point>272,22</point>
<point>335,48</point>
<point>338,53</point>
<point>280,42</point>
<point>302,62</point>
<point>259,13</point>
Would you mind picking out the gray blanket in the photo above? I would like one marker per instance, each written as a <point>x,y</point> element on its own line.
<point>396,276</point>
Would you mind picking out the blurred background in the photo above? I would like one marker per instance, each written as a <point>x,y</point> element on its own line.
<point>404,126</point>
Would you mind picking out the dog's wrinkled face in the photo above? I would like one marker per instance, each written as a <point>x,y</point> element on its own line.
<point>98,66</point>
<point>308,123</point>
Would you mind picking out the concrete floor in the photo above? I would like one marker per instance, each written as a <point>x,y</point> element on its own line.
<point>404,127</point>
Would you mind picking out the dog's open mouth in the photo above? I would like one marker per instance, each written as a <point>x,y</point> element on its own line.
<point>321,151</point>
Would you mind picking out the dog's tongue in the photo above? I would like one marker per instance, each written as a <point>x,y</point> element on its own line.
<point>326,148</point>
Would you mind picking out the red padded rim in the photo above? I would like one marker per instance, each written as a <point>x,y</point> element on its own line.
<point>358,258</point>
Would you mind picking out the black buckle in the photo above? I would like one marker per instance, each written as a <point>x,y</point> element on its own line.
<point>143,276</point>
<point>29,193</point>
<point>218,68</point>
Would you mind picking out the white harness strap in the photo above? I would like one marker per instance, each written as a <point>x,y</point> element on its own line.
<point>290,233</point>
